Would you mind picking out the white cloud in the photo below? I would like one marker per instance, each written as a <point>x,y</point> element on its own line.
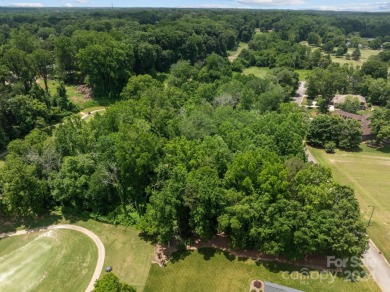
<point>271,2</point>
<point>363,6</point>
<point>67,5</point>
<point>81,1</point>
<point>32,4</point>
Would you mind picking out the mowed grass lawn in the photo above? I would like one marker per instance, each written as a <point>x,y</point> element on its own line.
<point>129,255</point>
<point>365,54</point>
<point>368,173</point>
<point>55,260</point>
<point>260,72</point>
<point>208,269</point>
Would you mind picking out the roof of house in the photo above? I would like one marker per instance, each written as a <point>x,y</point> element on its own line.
<point>364,120</point>
<point>340,98</point>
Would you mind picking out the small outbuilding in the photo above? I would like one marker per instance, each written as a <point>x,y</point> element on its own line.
<point>108,269</point>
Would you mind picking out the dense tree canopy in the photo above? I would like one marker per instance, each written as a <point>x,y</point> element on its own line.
<point>189,146</point>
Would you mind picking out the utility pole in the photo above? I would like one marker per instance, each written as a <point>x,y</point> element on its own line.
<point>372,212</point>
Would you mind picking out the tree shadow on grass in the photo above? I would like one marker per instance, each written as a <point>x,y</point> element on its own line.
<point>385,149</point>
<point>28,222</point>
<point>353,150</point>
<point>147,238</point>
<point>73,215</point>
<point>209,252</point>
<point>180,255</point>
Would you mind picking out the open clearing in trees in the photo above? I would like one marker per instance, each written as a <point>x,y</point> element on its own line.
<point>44,260</point>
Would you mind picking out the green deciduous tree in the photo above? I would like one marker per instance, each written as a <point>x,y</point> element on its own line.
<point>107,67</point>
<point>23,192</point>
<point>356,54</point>
<point>351,105</point>
<point>110,283</point>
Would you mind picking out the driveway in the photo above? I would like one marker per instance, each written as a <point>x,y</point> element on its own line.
<point>301,91</point>
<point>378,266</point>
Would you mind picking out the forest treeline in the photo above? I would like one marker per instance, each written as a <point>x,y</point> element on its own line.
<point>189,146</point>
<point>104,48</point>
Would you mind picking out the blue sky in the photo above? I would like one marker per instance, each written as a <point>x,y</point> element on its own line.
<point>348,5</point>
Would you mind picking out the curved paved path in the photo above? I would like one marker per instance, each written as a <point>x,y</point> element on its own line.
<point>91,113</point>
<point>99,244</point>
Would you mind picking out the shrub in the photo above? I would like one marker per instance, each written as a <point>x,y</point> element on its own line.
<point>330,146</point>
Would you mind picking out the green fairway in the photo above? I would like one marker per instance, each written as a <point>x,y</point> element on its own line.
<point>213,270</point>
<point>56,259</point>
<point>368,172</point>
<point>260,72</point>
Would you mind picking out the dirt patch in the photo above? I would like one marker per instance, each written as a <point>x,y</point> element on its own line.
<point>162,253</point>
<point>256,285</point>
<point>85,90</point>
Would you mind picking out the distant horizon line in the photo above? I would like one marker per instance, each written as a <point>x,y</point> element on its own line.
<point>193,8</point>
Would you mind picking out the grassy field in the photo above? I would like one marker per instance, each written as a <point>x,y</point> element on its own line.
<point>98,109</point>
<point>213,270</point>
<point>71,90</point>
<point>365,54</point>
<point>260,72</point>
<point>234,54</point>
<point>303,74</point>
<point>129,255</point>
<point>47,260</point>
<point>368,172</point>
<point>257,31</point>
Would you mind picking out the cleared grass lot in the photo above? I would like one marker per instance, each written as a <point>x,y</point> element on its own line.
<point>209,269</point>
<point>129,255</point>
<point>260,72</point>
<point>365,54</point>
<point>46,261</point>
<point>367,171</point>
<point>234,54</point>
<point>71,90</point>
<point>303,74</point>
